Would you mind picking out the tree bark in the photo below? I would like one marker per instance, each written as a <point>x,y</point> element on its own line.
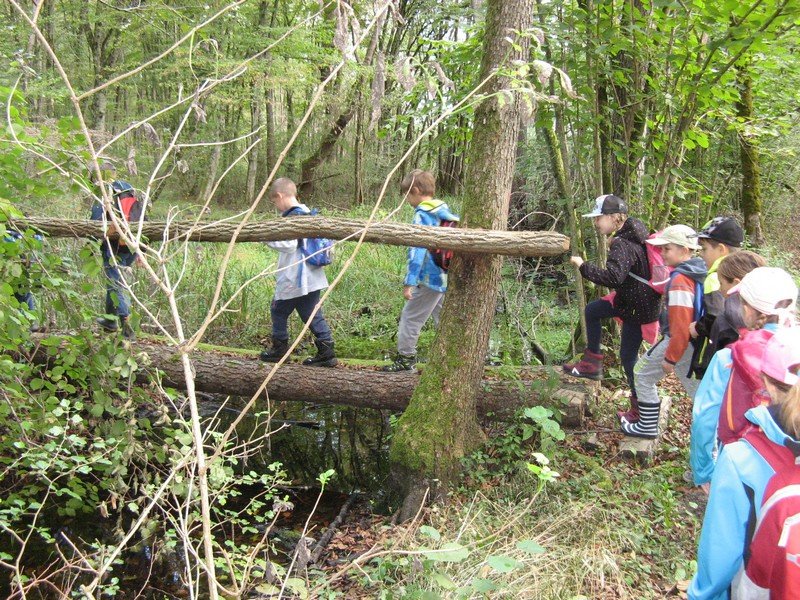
<point>440,425</point>
<point>223,372</point>
<point>749,156</point>
<point>474,241</point>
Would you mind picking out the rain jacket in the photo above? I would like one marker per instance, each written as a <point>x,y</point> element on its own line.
<point>635,301</point>
<point>680,306</point>
<point>707,407</point>
<point>421,270</point>
<point>737,491</point>
<point>295,278</point>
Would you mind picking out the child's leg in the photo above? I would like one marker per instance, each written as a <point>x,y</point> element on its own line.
<point>630,343</point>
<point>595,313</point>
<point>415,313</point>
<point>647,373</point>
<point>690,384</point>
<point>319,326</point>
<point>279,311</point>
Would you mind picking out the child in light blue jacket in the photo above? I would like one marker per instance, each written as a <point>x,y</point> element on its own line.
<point>425,282</point>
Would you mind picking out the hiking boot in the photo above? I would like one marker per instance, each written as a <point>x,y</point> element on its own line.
<point>127,330</point>
<point>590,366</point>
<point>276,352</point>
<point>108,325</point>
<point>632,414</point>
<point>326,357</point>
<point>647,425</point>
<point>403,362</point>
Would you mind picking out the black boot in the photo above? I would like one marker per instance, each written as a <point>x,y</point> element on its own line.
<point>127,330</point>
<point>274,354</point>
<point>326,357</point>
<point>109,325</point>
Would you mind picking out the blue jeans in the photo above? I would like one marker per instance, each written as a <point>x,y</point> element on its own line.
<point>27,300</point>
<point>117,297</point>
<point>630,341</point>
<point>280,310</point>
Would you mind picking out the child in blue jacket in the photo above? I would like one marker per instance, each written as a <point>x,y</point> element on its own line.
<point>425,282</point>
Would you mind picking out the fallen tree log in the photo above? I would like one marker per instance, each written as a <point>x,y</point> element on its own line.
<point>218,372</point>
<point>475,241</point>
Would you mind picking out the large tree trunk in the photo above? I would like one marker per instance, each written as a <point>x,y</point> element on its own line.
<point>440,425</point>
<point>748,151</point>
<point>475,241</point>
<point>223,372</point>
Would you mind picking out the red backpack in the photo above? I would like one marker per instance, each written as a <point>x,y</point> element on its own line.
<point>128,206</point>
<point>745,389</point>
<point>772,559</point>
<point>659,272</point>
<point>441,257</point>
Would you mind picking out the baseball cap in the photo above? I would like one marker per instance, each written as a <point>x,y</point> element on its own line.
<point>765,287</point>
<point>680,235</point>
<point>608,204</point>
<point>781,354</point>
<point>724,230</point>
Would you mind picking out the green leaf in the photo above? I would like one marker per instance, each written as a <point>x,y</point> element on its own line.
<point>483,586</point>
<point>444,581</point>
<point>503,564</point>
<point>450,552</point>
<point>430,532</point>
<point>530,547</point>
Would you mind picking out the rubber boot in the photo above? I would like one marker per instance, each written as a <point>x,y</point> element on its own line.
<point>326,355</point>
<point>632,414</point>
<point>276,352</point>
<point>590,366</point>
<point>403,362</point>
<point>647,425</point>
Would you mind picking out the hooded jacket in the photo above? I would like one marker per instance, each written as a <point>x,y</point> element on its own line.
<point>294,277</point>
<point>680,298</point>
<point>714,302</point>
<point>420,269</point>
<point>635,301</point>
<point>706,411</point>
<point>737,491</point>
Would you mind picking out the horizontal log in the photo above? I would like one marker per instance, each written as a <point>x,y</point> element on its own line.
<point>474,241</point>
<point>218,372</point>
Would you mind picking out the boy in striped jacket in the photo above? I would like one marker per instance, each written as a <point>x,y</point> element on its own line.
<point>673,353</point>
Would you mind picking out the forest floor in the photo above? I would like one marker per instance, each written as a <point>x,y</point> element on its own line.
<point>603,529</point>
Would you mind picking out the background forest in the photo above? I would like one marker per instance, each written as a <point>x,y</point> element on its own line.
<point>688,109</point>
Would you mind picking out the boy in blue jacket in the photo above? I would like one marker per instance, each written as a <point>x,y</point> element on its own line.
<point>425,282</point>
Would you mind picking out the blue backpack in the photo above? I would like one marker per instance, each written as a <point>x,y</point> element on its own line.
<point>318,252</point>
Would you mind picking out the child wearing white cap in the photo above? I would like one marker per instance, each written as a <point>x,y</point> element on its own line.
<point>732,384</point>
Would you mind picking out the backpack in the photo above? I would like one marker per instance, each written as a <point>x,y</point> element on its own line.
<point>772,558</point>
<point>317,252</point>
<point>127,206</point>
<point>441,257</point>
<point>744,390</point>
<point>660,273</point>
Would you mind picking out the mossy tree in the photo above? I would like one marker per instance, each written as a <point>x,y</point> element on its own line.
<point>440,425</point>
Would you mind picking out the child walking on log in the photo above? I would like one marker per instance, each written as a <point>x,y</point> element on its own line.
<point>425,282</point>
<point>635,302</point>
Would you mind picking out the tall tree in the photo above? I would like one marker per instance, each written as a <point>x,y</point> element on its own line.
<point>440,425</point>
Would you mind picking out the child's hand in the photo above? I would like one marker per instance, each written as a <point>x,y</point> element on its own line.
<point>693,329</point>
<point>576,260</point>
<point>667,367</point>
<point>408,292</point>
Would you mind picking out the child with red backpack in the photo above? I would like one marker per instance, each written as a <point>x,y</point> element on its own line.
<point>635,302</point>
<point>747,471</point>
<point>732,383</point>
<point>116,254</point>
